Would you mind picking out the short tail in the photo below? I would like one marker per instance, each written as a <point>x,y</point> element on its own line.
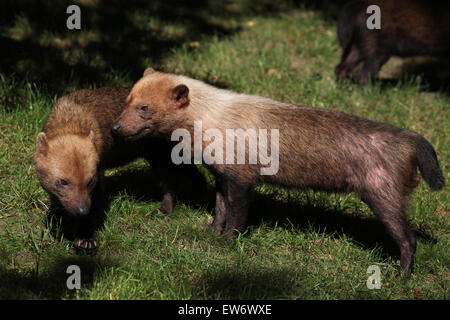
<point>428,164</point>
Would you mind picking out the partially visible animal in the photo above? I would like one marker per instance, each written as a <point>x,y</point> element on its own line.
<point>408,28</point>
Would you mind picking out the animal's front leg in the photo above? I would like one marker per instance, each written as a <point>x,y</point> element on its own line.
<point>237,204</point>
<point>85,234</point>
<point>86,237</point>
<point>220,213</point>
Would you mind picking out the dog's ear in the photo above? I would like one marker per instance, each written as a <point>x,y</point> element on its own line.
<point>148,71</point>
<point>42,144</point>
<point>180,95</point>
<point>92,135</point>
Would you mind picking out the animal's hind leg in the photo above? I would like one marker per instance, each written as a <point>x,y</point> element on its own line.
<point>350,59</point>
<point>394,219</point>
<point>372,64</point>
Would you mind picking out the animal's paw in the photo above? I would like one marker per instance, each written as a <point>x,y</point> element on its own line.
<point>86,243</point>
<point>167,203</point>
<point>217,229</point>
<point>165,208</point>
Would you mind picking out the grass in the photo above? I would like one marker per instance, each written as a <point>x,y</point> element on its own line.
<point>299,245</point>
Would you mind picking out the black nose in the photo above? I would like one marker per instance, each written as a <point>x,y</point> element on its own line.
<point>83,208</point>
<point>115,129</point>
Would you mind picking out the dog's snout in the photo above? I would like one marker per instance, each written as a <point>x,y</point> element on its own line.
<point>115,129</point>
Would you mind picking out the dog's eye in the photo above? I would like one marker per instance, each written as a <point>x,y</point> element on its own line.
<point>63,182</point>
<point>145,108</point>
<point>91,182</point>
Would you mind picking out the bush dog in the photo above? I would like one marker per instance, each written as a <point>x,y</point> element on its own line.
<point>76,146</point>
<point>407,28</point>
<point>318,148</point>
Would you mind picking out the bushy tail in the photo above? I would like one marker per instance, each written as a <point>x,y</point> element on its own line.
<point>428,164</point>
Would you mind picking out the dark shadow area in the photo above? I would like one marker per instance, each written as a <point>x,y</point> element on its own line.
<point>329,9</point>
<point>433,74</point>
<point>142,185</point>
<point>62,224</point>
<point>426,84</point>
<point>251,284</point>
<point>119,36</point>
<point>52,283</point>
<point>137,183</point>
<point>368,233</point>
<point>119,39</point>
<point>430,73</point>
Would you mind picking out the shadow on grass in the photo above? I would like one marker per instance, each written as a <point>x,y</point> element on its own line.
<point>252,283</point>
<point>120,36</point>
<point>119,39</point>
<point>40,47</point>
<point>123,36</point>
<point>369,233</point>
<point>50,281</point>
<point>430,74</point>
<point>140,184</point>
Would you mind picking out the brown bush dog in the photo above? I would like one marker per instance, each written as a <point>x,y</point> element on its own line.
<point>408,28</point>
<point>75,147</point>
<point>318,148</point>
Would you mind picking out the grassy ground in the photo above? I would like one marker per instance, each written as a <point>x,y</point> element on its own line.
<point>300,244</point>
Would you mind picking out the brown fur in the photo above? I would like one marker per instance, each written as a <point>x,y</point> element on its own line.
<point>408,28</point>
<point>76,145</point>
<point>318,148</point>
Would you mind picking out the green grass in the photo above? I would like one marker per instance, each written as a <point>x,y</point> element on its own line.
<point>299,245</point>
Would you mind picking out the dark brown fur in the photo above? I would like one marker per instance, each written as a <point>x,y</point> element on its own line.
<point>319,149</point>
<point>77,145</point>
<point>408,28</point>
